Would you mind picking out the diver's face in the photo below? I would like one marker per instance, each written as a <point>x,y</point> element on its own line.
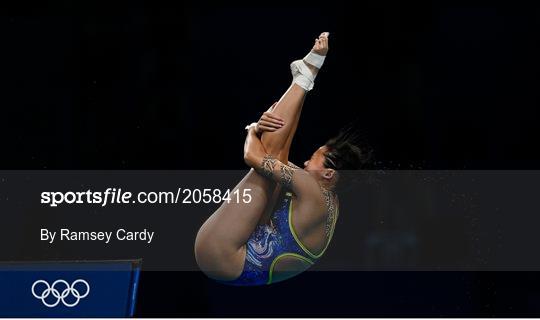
<point>316,162</point>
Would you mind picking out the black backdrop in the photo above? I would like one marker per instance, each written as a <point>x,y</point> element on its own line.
<point>170,85</point>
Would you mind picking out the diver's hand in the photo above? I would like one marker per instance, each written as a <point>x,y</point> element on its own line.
<point>251,126</point>
<point>269,122</point>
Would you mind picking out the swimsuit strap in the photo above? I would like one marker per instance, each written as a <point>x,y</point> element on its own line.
<point>332,211</point>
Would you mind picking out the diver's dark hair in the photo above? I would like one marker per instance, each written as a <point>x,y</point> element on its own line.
<point>346,152</point>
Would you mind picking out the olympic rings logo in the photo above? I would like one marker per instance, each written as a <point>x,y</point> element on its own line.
<point>60,295</point>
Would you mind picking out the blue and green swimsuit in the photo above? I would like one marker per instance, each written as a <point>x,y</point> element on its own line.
<point>270,243</point>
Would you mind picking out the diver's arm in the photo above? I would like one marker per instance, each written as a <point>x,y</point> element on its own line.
<point>290,164</point>
<point>298,180</point>
<point>253,147</point>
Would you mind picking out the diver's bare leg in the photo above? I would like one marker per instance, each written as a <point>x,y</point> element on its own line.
<point>284,152</point>
<point>289,108</point>
<point>220,244</point>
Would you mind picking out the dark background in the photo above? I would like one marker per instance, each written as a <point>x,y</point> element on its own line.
<point>170,85</point>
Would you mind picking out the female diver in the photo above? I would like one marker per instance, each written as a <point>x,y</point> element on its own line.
<point>290,220</point>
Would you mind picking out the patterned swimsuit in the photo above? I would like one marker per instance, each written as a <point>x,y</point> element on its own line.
<point>270,243</point>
